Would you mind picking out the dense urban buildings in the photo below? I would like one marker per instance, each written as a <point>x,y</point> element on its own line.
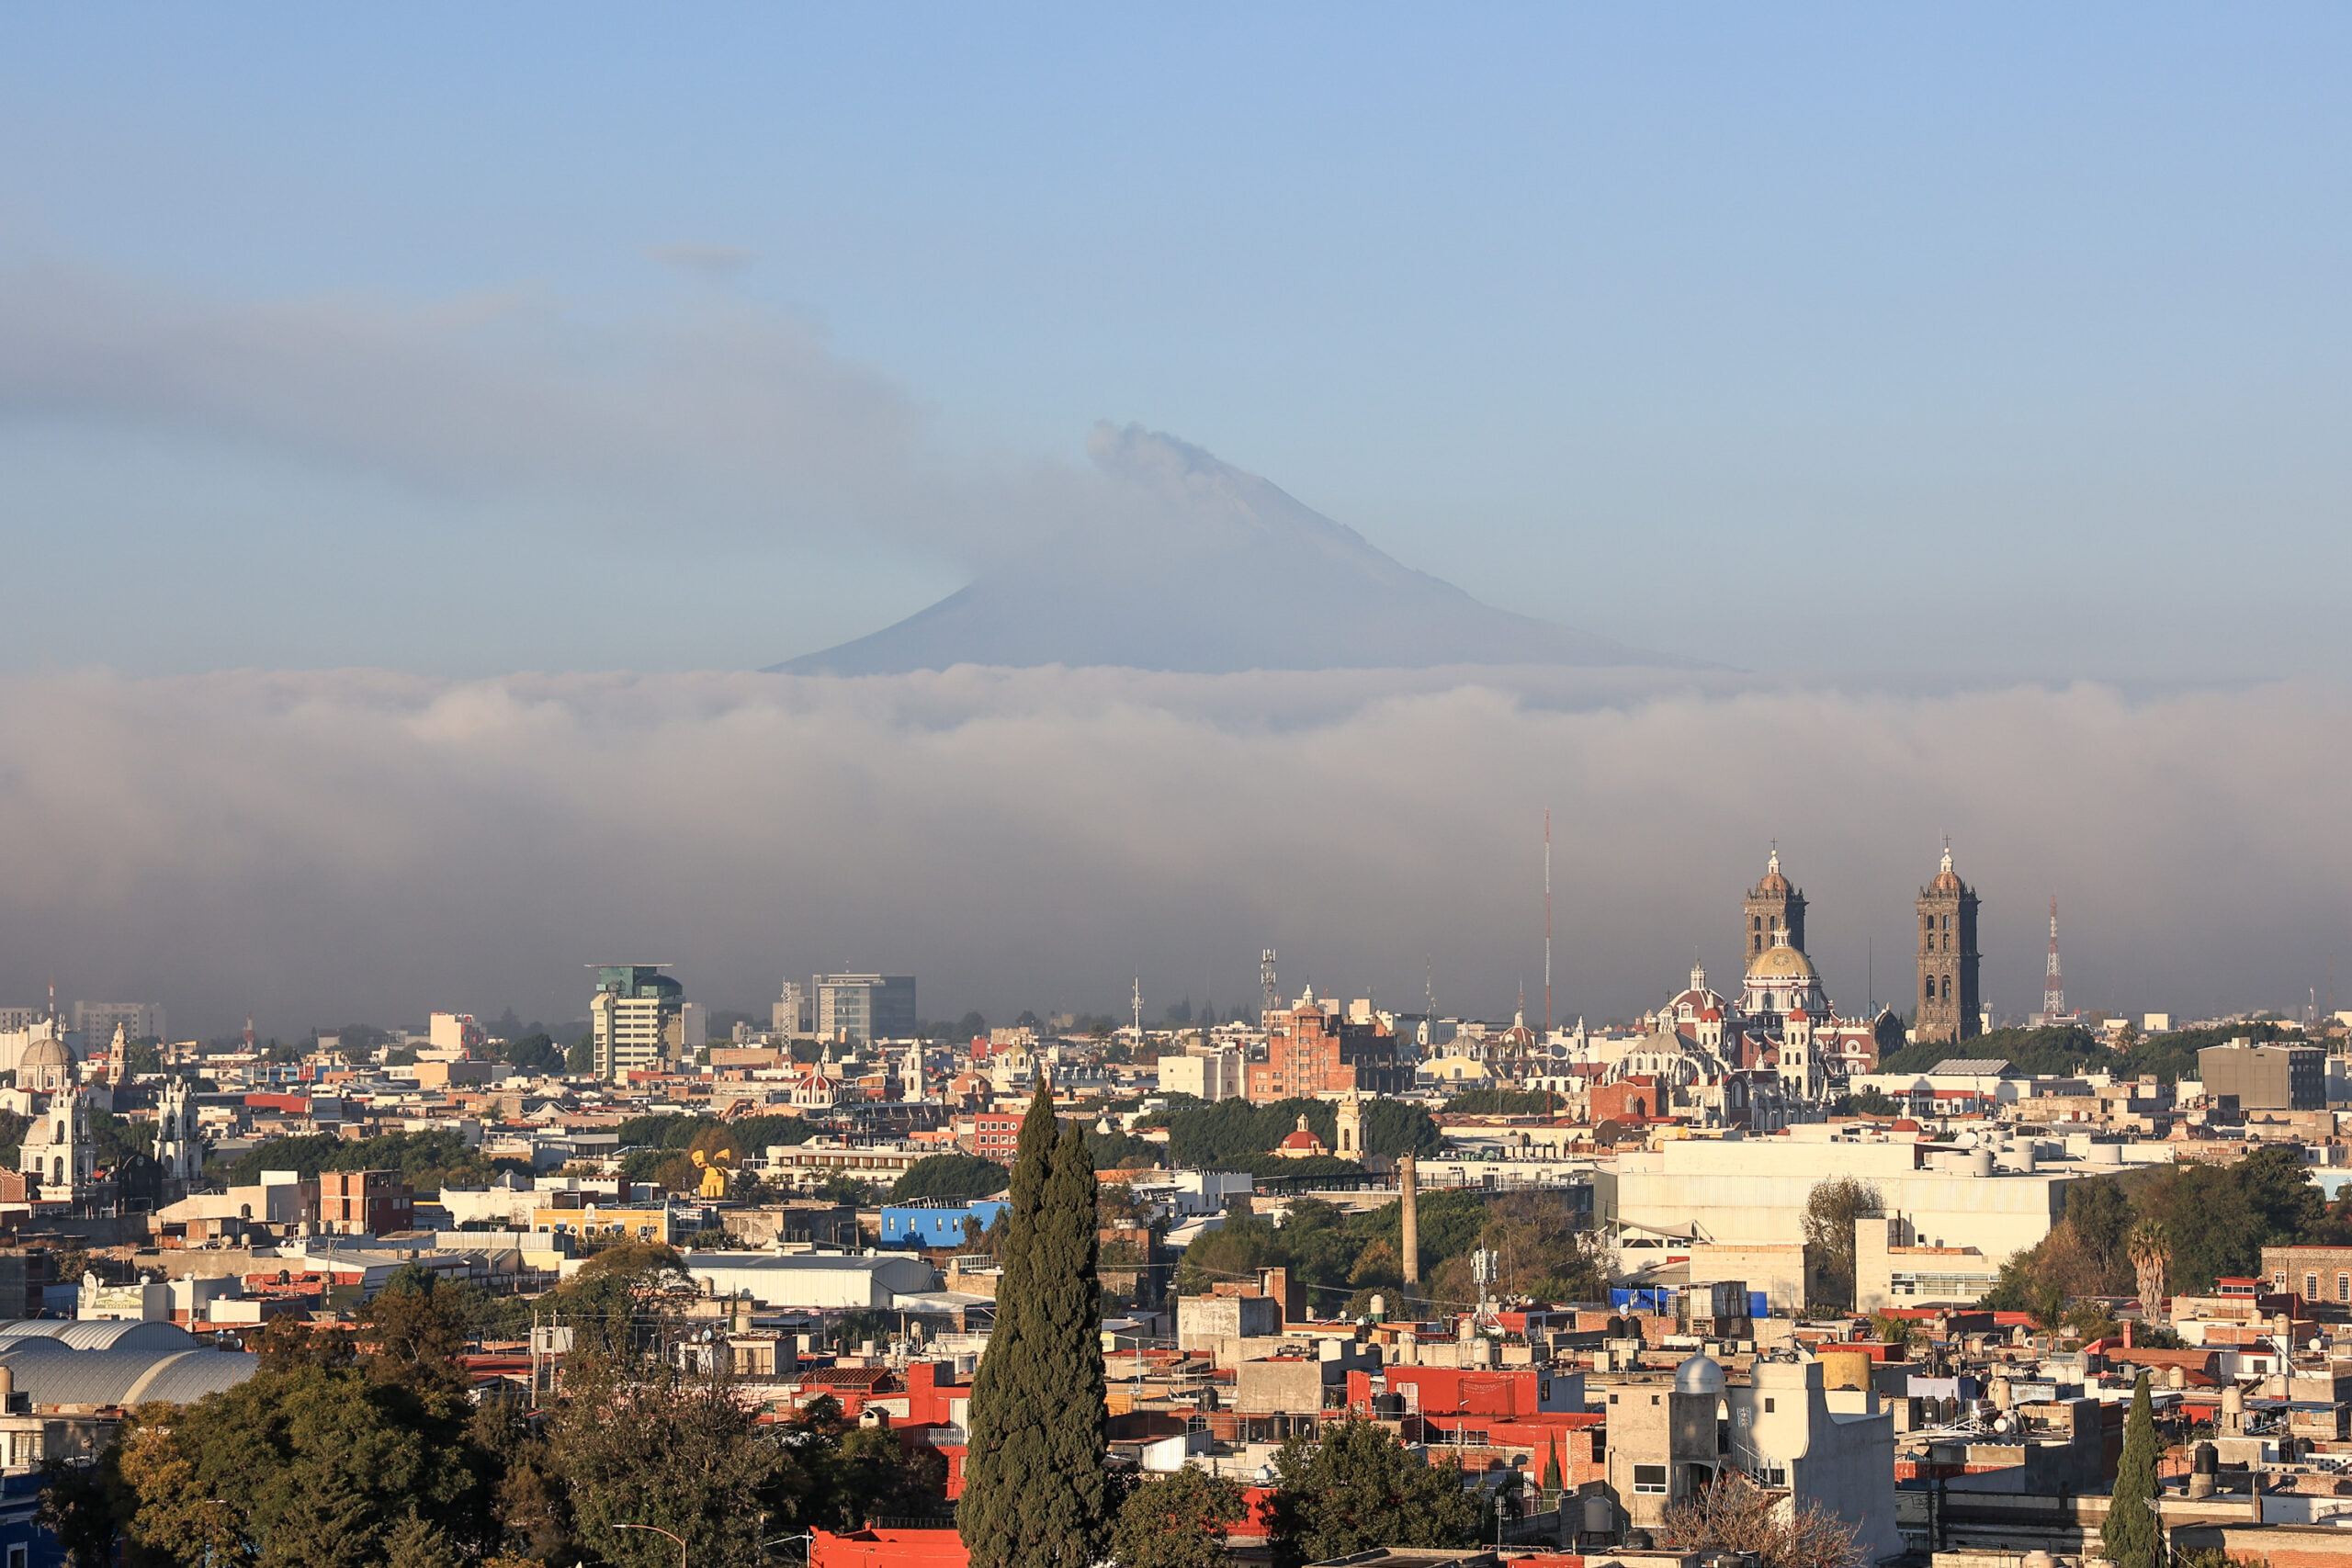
<point>1593,1280</point>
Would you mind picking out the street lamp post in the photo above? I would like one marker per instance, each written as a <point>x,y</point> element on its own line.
<point>657,1529</point>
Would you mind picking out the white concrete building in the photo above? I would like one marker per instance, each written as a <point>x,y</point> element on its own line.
<point>1754,1190</point>
<point>813,1280</point>
<point>1830,1448</point>
<point>1215,1073</point>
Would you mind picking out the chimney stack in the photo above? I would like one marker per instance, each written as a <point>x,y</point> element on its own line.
<point>1411,1238</point>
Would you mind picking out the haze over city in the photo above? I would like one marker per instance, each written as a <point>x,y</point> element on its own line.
<point>1338,439</point>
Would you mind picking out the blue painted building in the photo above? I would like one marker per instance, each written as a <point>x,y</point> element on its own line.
<point>24,1542</point>
<point>936,1221</point>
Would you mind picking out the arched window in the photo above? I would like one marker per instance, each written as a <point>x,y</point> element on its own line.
<point>1947,942</point>
<point>1947,922</point>
<point>1946,987</point>
<point>1931,988</point>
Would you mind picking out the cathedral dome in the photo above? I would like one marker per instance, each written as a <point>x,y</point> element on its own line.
<point>1782,963</point>
<point>1947,880</point>
<point>50,1052</point>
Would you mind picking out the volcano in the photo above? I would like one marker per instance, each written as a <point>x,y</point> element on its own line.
<point>1209,570</point>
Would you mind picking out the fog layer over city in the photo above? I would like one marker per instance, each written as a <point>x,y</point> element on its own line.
<point>319,848</point>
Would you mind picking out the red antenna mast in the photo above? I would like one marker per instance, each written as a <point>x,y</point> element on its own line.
<point>2053,988</point>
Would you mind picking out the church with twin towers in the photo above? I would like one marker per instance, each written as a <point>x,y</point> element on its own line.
<point>1947,1003</point>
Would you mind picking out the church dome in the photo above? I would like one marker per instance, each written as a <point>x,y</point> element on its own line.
<point>1782,963</point>
<point>1700,1374</point>
<point>1947,880</point>
<point>48,1052</point>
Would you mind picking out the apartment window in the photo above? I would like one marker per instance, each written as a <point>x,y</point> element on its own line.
<point>1773,1476</point>
<point>2310,1287</point>
<point>1650,1478</point>
<point>1768,1405</point>
<point>2344,1287</point>
<point>1653,1399</point>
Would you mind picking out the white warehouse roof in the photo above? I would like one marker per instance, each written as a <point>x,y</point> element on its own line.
<point>813,1280</point>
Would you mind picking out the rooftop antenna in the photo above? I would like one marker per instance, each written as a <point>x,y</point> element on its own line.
<point>1547,922</point>
<point>2053,988</point>
<point>1270,991</point>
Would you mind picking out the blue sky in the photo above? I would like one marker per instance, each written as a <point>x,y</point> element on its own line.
<point>1841,341</point>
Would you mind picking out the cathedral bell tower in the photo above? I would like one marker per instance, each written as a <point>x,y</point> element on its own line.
<point>1773,906</point>
<point>1948,1004</point>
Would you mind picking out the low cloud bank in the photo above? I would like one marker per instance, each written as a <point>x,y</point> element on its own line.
<point>322,848</point>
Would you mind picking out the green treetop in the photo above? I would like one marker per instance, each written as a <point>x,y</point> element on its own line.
<point>2132,1535</point>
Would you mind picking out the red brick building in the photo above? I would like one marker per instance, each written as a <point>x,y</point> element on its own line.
<point>995,1134</point>
<point>1313,1049</point>
<point>365,1202</point>
<point>1635,1098</point>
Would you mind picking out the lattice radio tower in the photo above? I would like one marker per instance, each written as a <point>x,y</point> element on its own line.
<point>2053,988</point>
<point>1270,990</point>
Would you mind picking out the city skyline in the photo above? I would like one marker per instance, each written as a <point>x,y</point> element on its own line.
<point>414,471</point>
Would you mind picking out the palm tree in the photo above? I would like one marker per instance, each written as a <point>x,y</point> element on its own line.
<point>2149,1249</point>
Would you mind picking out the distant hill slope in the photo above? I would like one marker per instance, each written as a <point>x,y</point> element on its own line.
<point>1224,572</point>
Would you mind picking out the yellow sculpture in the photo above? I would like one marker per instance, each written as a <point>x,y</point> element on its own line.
<point>713,1171</point>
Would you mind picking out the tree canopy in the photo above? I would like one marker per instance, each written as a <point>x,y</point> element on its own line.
<point>1831,1209</point>
<point>2214,1221</point>
<point>1178,1520</point>
<point>1226,1135</point>
<point>428,1161</point>
<point>1355,1487</point>
<point>366,1447</point>
<point>1340,1259</point>
<point>2062,1051</point>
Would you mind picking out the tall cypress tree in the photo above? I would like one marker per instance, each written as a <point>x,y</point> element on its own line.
<point>1034,1489</point>
<point>1074,1512</point>
<point>2130,1534</point>
<point>1005,1443</point>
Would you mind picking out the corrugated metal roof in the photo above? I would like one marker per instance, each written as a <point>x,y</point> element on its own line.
<point>101,1333</point>
<point>125,1376</point>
